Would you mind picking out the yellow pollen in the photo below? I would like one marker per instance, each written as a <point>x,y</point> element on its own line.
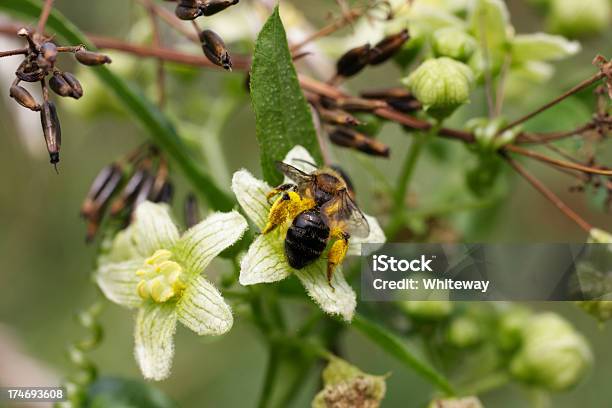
<point>161,277</point>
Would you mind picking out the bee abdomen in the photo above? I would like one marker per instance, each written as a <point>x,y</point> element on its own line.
<point>306,239</point>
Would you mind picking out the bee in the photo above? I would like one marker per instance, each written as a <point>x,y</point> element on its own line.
<point>321,208</point>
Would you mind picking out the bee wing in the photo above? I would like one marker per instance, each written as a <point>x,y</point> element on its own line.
<point>295,174</point>
<point>342,212</point>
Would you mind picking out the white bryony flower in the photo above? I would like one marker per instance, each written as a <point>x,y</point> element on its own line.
<point>151,269</point>
<point>265,261</point>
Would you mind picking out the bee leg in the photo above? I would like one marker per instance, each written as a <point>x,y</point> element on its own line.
<point>336,253</point>
<point>286,207</point>
<point>280,189</point>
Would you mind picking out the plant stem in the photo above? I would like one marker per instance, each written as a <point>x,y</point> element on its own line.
<point>407,171</point>
<point>44,16</point>
<point>558,163</point>
<point>270,378</point>
<point>584,84</point>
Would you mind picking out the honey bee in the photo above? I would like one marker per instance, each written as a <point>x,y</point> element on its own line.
<point>321,208</point>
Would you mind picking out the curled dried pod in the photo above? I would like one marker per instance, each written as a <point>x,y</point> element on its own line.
<point>24,98</point>
<point>214,49</point>
<point>51,130</point>
<point>59,85</point>
<point>387,47</point>
<point>91,58</point>
<point>210,7</point>
<point>353,61</point>
<point>346,137</point>
<point>30,72</point>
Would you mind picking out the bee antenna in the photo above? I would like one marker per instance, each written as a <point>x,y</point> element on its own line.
<point>307,162</point>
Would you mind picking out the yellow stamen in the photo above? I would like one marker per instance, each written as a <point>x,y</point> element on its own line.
<point>161,278</point>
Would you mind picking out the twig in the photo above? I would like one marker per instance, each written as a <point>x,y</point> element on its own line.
<point>346,19</point>
<point>21,51</point>
<point>555,162</point>
<point>584,84</point>
<point>552,197</point>
<point>44,16</point>
<point>173,21</point>
<point>525,137</point>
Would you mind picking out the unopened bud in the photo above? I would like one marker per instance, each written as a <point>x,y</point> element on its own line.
<point>441,85</point>
<point>214,49</point>
<point>578,18</point>
<point>453,42</point>
<point>24,98</point>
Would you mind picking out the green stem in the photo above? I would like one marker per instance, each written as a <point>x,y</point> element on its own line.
<point>407,171</point>
<point>270,378</point>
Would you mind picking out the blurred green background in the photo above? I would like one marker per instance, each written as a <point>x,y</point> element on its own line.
<point>46,265</point>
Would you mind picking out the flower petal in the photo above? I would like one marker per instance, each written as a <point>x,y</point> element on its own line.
<point>153,228</point>
<point>299,158</point>
<point>339,300</point>
<point>376,236</point>
<point>251,195</point>
<point>154,340</point>
<point>118,282</point>
<point>204,241</point>
<point>265,261</point>
<point>203,309</point>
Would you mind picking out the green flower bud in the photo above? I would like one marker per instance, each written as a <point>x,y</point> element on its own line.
<point>468,402</point>
<point>464,332</point>
<point>511,323</point>
<point>453,42</point>
<point>578,18</point>
<point>427,309</point>
<point>441,85</point>
<point>347,386</point>
<point>553,355</point>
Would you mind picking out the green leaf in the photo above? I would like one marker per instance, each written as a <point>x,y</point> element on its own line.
<point>542,47</point>
<point>112,392</point>
<point>396,347</point>
<point>159,127</point>
<point>283,118</point>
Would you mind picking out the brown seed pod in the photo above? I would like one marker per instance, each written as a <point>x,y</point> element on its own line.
<point>353,61</point>
<point>91,58</point>
<point>48,51</point>
<point>354,104</point>
<point>165,194</point>
<point>210,7</point>
<point>51,130</point>
<point>387,93</point>
<point>214,49</point>
<point>187,12</point>
<point>145,190</point>
<point>387,47</point>
<point>24,98</point>
<point>29,71</point>
<point>338,117</point>
<point>77,89</point>
<point>129,191</point>
<point>192,211</point>
<point>59,85</point>
<point>346,137</point>
<point>103,177</point>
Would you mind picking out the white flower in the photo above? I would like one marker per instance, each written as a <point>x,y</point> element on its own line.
<point>265,260</point>
<point>152,269</point>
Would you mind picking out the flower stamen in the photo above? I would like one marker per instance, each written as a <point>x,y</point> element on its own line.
<point>161,278</point>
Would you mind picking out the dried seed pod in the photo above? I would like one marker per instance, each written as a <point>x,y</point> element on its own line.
<point>387,47</point>
<point>30,72</point>
<point>165,194</point>
<point>187,12</point>
<point>59,85</point>
<point>346,137</point>
<point>354,104</point>
<point>387,93</point>
<point>338,117</point>
<point>210,7</point>
<point>51,130</point>
<point>405,105</point>
<point>91,58</point>
<point>353,61</point>
<point>192,211</point>
<point>145,190</point>
<point>129,191</point>
<point>103,177</point>
<point>77,89</point>
<point>24,98</point>
<point>214,49</point>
